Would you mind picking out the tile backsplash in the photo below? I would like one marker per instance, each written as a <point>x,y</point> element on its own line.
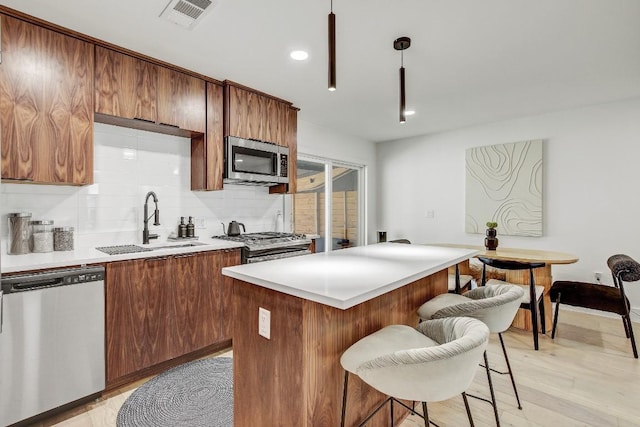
<point>127,164</point>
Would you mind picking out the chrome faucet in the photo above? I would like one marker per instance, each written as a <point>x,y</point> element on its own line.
<point>156,218</point>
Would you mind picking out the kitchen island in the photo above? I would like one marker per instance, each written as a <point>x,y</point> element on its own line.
<point>319,305</point>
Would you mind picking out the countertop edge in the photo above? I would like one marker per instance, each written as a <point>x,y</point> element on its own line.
<point>85,256</point>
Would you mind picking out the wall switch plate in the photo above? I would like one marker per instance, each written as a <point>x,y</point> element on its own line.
<point>264,323</point>
<point>199,222</point>
<point>430,214</point>
<point>598,276</point>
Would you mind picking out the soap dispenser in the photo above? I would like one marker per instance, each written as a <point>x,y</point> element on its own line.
<point>191,228</point>
<point>182,228</point>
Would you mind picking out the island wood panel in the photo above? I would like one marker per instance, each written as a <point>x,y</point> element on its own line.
<point>230,257</point>
<point>125,86</point>
<point>295,378</point>
<point>46,105</point>
<point>181,100</point>
<point>207,150</point>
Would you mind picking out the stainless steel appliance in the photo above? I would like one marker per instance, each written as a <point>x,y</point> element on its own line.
<point>247,161</point>
<point>270,245</point>
<point>51,340</point>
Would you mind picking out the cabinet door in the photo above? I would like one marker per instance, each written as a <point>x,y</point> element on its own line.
<point>207,151</point>
<point>290,141</point>
<point>181,100</point>
<point>196,301</point>
<point>126,317</point>
<point>46,105</point>
<point>245,109</point>
<point>125,86</point>
<point>230,258</point>
<point>157,280</point>
<point>276,118</point>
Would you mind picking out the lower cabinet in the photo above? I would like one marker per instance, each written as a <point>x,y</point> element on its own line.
<point>161,308</point>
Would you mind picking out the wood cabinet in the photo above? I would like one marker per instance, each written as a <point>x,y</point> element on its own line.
<point>161,308</point>
<point>125,86</point>
<point>252,115</point>
<point>132,88</point>
<point>230,258</point>
<point>207,151</point>
<point>46,105</point>
<point>181,100</point>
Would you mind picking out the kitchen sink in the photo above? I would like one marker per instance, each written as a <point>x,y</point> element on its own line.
<point>179,245</point>
<point>130,249</point>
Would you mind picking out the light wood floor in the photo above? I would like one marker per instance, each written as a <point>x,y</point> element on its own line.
<point>587,376</point>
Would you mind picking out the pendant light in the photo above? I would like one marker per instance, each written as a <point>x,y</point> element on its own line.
<point>332,49</point>
<point>401,44</point>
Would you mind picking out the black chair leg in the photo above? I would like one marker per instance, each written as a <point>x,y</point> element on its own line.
<point>626,327</point>
<point>543,316</point>
<point>344,397</point>
<point>391,411</point>
<point>466,406</point>
<point>493,395</point>
<point>633,340</point>
<point>513,381</point>
<point>426,414</point>
<point>534,324</point>
<point>555,317</point>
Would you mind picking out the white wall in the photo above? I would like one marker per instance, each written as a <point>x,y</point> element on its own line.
<point>319,141</point>
<point>591,201</point>
<point>128,164</point>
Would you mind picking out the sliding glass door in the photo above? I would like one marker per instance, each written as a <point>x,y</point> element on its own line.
<point>329,197</point>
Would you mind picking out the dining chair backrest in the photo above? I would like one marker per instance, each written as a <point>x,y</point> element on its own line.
<point>508,265</point>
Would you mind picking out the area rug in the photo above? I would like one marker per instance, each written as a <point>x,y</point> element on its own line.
<point>196,394</point>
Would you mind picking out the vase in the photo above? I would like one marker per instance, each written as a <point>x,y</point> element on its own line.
<point>491,241</point>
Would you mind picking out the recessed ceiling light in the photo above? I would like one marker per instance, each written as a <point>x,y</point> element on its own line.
<point>409,112</point>
<point>299,55</point>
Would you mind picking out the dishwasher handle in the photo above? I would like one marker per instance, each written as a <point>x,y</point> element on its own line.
<point>49,279</point>
<point>1,308</point>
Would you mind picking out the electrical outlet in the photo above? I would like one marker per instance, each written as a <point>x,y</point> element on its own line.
<point>264,323</point>
<point>199,222</point>
<point>430,214</point>
<point>598,276</point>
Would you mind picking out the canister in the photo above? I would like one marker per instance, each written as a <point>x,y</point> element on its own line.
<point>19,233</point>
<point>63,238</point>
<point>42,236</point>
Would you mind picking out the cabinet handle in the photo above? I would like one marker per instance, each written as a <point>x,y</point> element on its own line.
<point>18,179</point>
<point>1,309</point>
<point>170,125</point>
<point>154,259</point>
<point>144,120</point>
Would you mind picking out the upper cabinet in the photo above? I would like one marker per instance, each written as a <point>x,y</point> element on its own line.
<point>46,105</point>
<point>207,151</point>
<point>252,115</point>
<point>125,86</point>
<point>181,100</point>
<point>132,88</point>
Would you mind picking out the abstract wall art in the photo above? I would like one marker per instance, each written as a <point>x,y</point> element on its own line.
<point>504,184</point>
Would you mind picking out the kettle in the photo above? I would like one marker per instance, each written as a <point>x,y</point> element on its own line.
<point>234,228</point>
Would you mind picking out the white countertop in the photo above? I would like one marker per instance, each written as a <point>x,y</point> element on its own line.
<point>90,255</point>
<point>348,277</point>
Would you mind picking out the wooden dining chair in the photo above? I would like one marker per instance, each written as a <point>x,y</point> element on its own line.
<point>533,296</point>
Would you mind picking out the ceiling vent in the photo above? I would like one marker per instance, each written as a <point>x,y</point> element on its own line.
<point>185,13</point>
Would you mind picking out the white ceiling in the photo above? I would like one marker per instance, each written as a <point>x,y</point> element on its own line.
<point>470,61</point>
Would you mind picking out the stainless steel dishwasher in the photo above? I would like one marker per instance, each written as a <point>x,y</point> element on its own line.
<point>51,340</point>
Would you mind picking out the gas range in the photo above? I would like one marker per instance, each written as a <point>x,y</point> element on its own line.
<point>270,245</point>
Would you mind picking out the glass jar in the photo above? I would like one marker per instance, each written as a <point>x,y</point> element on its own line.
<point>42,236</point>
<point>19,233</point>
<point>63,239</point>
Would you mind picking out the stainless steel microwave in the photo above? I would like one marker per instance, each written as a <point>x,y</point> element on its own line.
<point>247,161</point>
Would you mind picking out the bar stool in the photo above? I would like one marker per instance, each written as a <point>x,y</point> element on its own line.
<point>496,306</point>
<point>434,362</point>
